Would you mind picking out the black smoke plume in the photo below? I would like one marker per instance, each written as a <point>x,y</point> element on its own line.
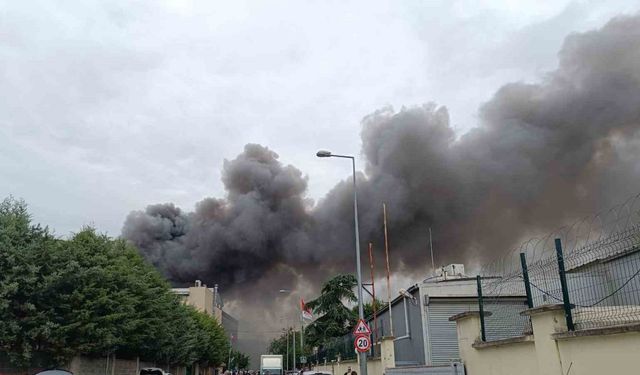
<point>543,154</point>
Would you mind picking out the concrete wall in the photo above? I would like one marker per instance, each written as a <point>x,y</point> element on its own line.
<point>83,365</point>
<point>610,354</point>
<point>101,366</point>
<point>506,359</point>
<point>339,368</point>
<point>90,366</point>
<point>375,366</point>
<point>201,298</point>
<point>15,371</point>
<point>551,350</point>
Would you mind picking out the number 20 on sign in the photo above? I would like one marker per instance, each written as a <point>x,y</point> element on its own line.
<point>362,343</point>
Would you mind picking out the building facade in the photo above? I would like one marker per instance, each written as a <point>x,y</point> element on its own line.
<point>209,301</point>
<point>419,319</point>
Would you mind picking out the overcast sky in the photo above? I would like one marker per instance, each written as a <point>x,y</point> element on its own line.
<point>106,107</point>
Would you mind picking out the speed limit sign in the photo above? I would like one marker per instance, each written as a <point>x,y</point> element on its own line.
<point>362,343</point>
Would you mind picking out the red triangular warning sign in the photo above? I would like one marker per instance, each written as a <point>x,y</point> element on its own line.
<point>361,328</point>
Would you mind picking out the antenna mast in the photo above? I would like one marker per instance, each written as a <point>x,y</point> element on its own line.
<point>433,265</point>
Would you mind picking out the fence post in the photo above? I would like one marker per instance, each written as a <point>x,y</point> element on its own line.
<point>481,308</point>
<point>525,276</point>
<point>563,284</point>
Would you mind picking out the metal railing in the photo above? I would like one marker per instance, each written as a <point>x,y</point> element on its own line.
<point>337,347</point>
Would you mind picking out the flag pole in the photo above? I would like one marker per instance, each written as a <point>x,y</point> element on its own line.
<point>373,293</point>
<point>301,336</point>
<point>386,251</point>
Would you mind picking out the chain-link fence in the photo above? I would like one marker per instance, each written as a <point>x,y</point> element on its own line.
<point>503,301</point>
<point>591,268</point>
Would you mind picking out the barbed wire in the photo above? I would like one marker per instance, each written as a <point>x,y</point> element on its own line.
<point>585,233</point>
<point>601,255</point>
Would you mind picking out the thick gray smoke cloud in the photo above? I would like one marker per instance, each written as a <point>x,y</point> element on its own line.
<point>262,223</point>
<point>542,154</point>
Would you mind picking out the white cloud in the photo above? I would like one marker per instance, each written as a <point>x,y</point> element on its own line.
<point>108,107</point>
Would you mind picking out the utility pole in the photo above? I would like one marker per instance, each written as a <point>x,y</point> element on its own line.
<point>433,264</point>
<point>386,251</point>
<point>286,332</point>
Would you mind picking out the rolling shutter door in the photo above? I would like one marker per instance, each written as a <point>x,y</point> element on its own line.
<point>442,333</point>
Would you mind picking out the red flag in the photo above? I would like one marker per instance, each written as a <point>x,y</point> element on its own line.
<point>306,312</point>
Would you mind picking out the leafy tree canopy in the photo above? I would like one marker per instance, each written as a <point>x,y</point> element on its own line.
<point>239,360</point>
<point>283,344</point>
<point>368,308</point>
<point>336,318</point>
<point>90,294</point>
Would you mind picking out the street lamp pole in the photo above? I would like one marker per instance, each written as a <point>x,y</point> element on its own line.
<point>286,332</point>
<point>287,291</point>
<point>326,154</point>
<point>294,349</point>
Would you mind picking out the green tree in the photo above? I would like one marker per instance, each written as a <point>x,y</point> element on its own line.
<point>279,344</point>
<point>21,248</point>
<point>336,318</point>
<point>90,295</point>
<point>368,308</point>
<point>239,360</point>
<point>283,344</point>
<point>213,345</point>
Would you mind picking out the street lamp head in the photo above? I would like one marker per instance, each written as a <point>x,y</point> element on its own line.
<point>284,291</point>
<point>323,154</point>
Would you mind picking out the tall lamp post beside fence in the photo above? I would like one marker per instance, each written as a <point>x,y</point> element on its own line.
<point>328,154</point>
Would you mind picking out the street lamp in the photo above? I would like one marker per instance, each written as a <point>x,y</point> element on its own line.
<point>286,332</point>
<point>328,154</point>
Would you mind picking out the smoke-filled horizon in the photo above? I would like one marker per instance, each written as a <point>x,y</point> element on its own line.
<point>541,155</point>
